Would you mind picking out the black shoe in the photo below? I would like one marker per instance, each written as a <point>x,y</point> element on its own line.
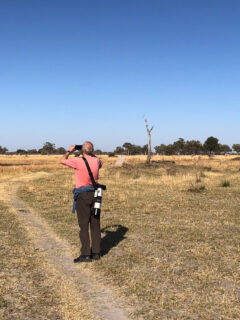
<point>95,256</point>
<point>82,259</point>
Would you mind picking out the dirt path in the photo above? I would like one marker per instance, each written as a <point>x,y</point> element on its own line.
<point>81,281</point>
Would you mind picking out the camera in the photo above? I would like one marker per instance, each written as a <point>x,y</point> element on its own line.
<point>78,147</point>
<point>97,202</point>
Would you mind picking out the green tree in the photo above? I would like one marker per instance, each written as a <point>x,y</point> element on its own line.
<point>135,149</point>
<point>127,146</point>
<point>193,147</point>
<point>98,151</point>
<point>60,150</point>
<point>211,145</point>
<point>119,150</point>
<point>170,149</point>
<point>32,151</point>
<point>160,149</point>
<point>21,151</point>
<point>179,146</point>
<point>3,150</point>
<point>165,149</point>
<point>145,149</point>
<point>48,148</point>
<point>236,148</point>
<point>224,148</point>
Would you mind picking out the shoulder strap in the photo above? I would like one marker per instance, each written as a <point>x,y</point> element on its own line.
<point>90,173</point>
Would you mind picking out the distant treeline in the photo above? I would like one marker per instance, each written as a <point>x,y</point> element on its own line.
<point>179,147</point>
<point>48,148</point>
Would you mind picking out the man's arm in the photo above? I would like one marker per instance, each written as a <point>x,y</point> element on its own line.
<point>67,154</point>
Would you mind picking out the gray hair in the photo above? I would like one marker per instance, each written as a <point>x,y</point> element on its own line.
<point>87,147</point>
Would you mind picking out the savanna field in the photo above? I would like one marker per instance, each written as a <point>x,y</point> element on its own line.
<point>170,237</point>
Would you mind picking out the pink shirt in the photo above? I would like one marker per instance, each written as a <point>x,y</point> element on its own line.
<point>82,178</point>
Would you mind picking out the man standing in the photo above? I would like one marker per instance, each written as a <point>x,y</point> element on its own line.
<point>84,193</point>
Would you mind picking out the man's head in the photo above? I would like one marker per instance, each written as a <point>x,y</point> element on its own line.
<point>87,148</point>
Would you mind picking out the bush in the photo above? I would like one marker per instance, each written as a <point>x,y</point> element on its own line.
<point>197,188</point>
<point>111,154</point>
<point>208,168</point>
<point>225,183</point>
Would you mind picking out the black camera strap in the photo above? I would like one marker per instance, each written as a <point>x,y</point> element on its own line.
<point>95,185</point>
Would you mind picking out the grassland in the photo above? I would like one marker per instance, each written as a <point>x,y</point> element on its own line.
<point>29,285</point>
<point>170,231</point>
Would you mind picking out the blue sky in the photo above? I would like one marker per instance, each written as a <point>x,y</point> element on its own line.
<point>89,70</point>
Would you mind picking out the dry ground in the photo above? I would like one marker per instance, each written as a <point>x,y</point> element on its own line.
<point>170,231</point>
<point>30,286</point>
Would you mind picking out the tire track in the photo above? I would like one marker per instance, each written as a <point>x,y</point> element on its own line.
<point>81,280</point>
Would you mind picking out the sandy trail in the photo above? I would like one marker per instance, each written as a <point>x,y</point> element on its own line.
<point>104,300</point>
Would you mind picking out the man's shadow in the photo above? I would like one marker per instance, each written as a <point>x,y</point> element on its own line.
<point>112,238</point>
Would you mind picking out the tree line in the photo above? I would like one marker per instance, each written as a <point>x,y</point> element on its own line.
<point>48,148</point>
<point>179,147</point>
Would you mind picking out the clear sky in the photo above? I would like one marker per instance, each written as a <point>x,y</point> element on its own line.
<point>77,70</point>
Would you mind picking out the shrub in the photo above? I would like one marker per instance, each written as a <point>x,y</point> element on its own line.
<point>197,188</point>
<point>208,168</point>
<point>111,154</point>
<point>225,183</point>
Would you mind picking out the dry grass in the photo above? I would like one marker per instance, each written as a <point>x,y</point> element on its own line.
<point>15,164</point>
<point>174,253</point>
<point>29,285</point>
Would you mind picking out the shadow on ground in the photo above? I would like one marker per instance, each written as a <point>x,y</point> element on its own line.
<point>112,237</point>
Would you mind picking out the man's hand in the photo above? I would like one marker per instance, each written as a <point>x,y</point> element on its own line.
<point>71,148</point>
<point>65,157</point>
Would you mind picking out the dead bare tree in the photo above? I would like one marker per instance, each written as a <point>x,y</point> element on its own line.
<point>149,141</point>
